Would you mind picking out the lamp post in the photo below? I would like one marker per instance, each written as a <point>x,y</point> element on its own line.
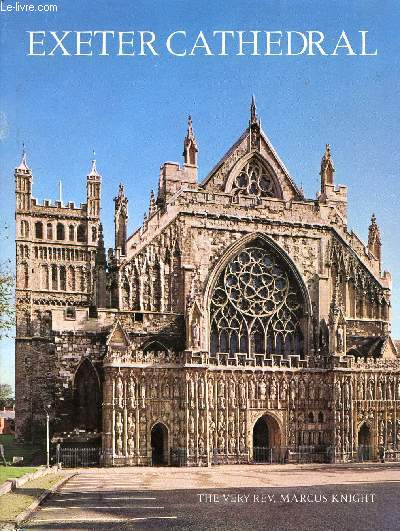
<point>47,411</point>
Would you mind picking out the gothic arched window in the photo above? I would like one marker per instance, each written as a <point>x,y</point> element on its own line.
<point>81,233</point>
<point>256,305</point>
<point>49,233</point>
<point>255,178</point>
<point>39,229</point>
<point>60,231</point>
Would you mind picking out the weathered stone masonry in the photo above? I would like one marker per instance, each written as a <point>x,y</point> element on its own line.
<point>239,316</point>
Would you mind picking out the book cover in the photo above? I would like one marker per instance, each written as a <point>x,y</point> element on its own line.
<point>199,264</point>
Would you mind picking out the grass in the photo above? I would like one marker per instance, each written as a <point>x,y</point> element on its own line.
<point>13,503</point>
<point>7,472</point>
<point>12,448</point>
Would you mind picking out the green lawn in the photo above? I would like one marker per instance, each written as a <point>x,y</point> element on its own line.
<point>7,472</point>
<point>13,503</point>
<point>12,448</point>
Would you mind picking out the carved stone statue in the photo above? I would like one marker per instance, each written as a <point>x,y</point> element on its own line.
<point>273,389</point>
<point>232,392</point>
<point>120,392</point>
<point>302,390</point>
<point>262,389</point>
<point>339,338</point>
<point>201,446</point>
<point>211,394</point>
<point>131,445</point>
<point>252,389</point>
<point>370,389</point>
<point>201,392</point>
<point>242,391</point>
<point>191,389</point>
<point>283,389</point>
<point>311,390</point>
<point>221,394</point>
<point>195,333</point>
<point>132,391</point>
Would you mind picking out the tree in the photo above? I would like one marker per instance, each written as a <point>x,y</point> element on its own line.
<point>5,394</point>
<point>7,305</point>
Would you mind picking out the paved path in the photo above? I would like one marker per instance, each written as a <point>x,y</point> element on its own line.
<point>227,498</point>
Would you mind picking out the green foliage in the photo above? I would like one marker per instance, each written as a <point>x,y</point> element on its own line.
<point>7,284</point>
<point>8,472</point>
<point>12,448</point>
<point>5,392</point>
<point>6,396</point>
<point>13,503</point>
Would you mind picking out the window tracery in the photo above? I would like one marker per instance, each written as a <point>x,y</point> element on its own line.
<point>255,179</point>
<point>256,306</point>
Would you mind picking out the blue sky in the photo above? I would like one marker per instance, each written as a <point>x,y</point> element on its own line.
<point>133,110</point>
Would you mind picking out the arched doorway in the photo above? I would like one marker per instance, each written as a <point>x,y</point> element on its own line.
<point>159,444</point>
<point>87,398</point>
<point>364,443</point>
<point>266,440</point>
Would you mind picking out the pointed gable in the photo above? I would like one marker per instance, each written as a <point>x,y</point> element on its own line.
<point>252,160</point>
<point>389,350</point>
<point>118,337</point>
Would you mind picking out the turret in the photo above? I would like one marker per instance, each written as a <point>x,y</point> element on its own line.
<point>120,219</point>
<point>330,195</point>
<point>23,185</point>
<point>374,240</point>
<point>100,271</point>
<point>190,149</point>
<point>93,189</point>
<point>173,177</point>
<point>327,171</point>
<point>254,127</point>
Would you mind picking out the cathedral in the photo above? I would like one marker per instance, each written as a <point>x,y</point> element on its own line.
<point>241,322</point>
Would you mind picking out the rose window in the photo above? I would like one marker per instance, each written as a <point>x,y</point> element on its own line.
<point>256,306</point>
<point>255,179</point>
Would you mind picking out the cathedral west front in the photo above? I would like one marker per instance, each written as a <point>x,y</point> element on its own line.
<point>241,322</point>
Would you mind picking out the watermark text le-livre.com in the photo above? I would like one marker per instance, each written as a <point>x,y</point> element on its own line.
<point>21,7</point>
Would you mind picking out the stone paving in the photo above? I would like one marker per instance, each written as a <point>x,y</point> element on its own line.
<point>225,497</point>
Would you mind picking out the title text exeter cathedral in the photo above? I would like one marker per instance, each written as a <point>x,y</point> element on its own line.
<point>241,321</point>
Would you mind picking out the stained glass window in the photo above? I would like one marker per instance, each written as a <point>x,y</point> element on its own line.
<point>256,306</point>
<point>255,179</point>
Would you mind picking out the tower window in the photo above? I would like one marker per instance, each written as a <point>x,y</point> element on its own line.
<point>60,231</point>
<point>63,282</point>
<point>81,233</point>
<point>71,233</point>
<point>94,234</point>
<point>39,229</point>
<point>49,231</point>
<point>54,277</point>
<point>24,228</point>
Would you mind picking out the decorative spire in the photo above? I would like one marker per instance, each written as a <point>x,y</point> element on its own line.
<point>253,111</point>
<point>327,167</point>
<point>93,170</point>
<point>23,165</point>
<point>374,238</point>
<point>190,148</point>
<point>101,253</point>
<point>152,204</point>
<point>120,219</point>
<point>327,171</point>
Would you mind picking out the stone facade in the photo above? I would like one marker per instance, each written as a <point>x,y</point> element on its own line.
<point>239,317</point>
